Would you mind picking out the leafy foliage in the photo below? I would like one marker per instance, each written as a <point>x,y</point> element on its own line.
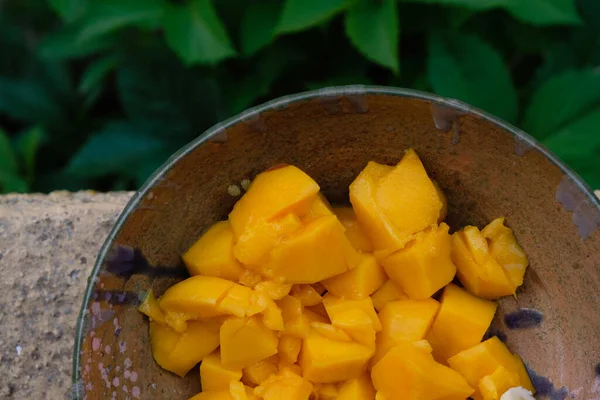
<point>98,93</point>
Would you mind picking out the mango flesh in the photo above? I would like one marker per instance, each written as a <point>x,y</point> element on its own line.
<point>354,231</point>
<point>257,373</point>
<point>424,266</point>
<point>284,385</point>
<point>151,308</point>
<point>389,291</point>
<point>461,322</point>
<point>212,254</point>
<point>216,376</point>
<point>360,388</point>
<point>246,341</point>
<point>336,307</point>
<point>491,387</point>
<point>359,282</point>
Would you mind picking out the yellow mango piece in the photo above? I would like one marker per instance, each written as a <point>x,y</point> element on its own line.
<point>376,224</point>
<point>324,391</point>
<point>388,291</point>
<point>505,250</point>
<point>477,270</point>
<point>196,297</point>
<point>318,252</point>
<point>360,282</point>
<point>360,388</point>
<point>272,194</point>
<point>237,390</point>
<point>307,295</point>
<point>216,376</point>
<point>330,332</point>
<point>484,359</point>
<point>319,207</point>
<point>424,265</point>
<point>443,200</point>
<point>176,321</point>
<point>336,306</point>
<point>403,321</point>
<point>493,386</point>
<point>245,341</point>
<point>289,348</point>
<point>212,254</point>
<point>412,373</point>
<point>320,310</point>
<point>163,340</point>
<point>461,322</point>
<point>250,278</point>
<point>408,197</point>
<point>272,316</point>
<point>236,301</point>
<point>252,247</point>
<point>354,231</point>
<point>257,373</point>
<point>324,360</point>
<point>151,308</point>
<point>358,324</point>
<point>284,385</point>
<point>275,290</point>
<point>294,321</point>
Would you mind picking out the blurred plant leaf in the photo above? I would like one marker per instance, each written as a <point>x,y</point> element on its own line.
<point>69,10</point>
<point>298,15</point>
<point>258,25</point>
<point>27,100</point>
<point>590,12</point>
<point>373,28</point>
<point>11,183</point>
<point>466,68</point>
<point>93,78</point>
<point>28,144</point>
<point>479,5</point>
<point>561,100</point>
<point>544,12</point>
<point>8,159</point>
<point>196,33</point>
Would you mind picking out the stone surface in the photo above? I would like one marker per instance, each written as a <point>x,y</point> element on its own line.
<point>48,246</point>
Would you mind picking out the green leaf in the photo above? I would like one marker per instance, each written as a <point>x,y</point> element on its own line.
<point>27,100</point>
<point>11,183</point>
<point>28,144</point>
<point>8,159</point>
<point>467,68</point>
<point>258,25</point>
<point>69,10</point>
<point>479,5</point>
<point>196,33</point>
<point>92,81</point>
<point>67,43</point>
<point>544,12</point>
<point>298,15</point>
<point>560,100</point>
<point>115,149</point>
<point>373,29</point>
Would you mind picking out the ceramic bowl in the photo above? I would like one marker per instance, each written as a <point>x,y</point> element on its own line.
<point>486,167</point>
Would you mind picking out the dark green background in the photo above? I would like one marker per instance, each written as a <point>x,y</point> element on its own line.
<point>95,94</point>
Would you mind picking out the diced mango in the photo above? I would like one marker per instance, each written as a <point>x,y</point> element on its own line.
<point>360,388</point>
<point>444,200</point>
<point>257,373</point>
<point>359,282</point>
<point>245,341</point>
<point>484,359</point>
<point>376,224</point>
<point>460,323</point>
<point>412,373</point>
<point>236,301</point>
<point>424,265</point>
<point>403,321</point>
<point>318,252</point>
<point>196,297</point>
<point>212,254</point>
<point>358,324</point>
<point>354,231</point>
<point>389,291</point>
<point>493,386</point>
<point>272,315</point>
<point>272,194</point>
<point>324,360</point>
<point>319,207</point>
<point>275,290</point>
<point>408,197</point>
<point>336,306</point>
<point>325,391</point>
<point>330,332</point>
<point>320,310</point>
<point>294,321</point>
<point>307,295</point>
<point>284,385</point>
<point>250,278</point>
<point>163,340</point>
<point>289,348</point>
<point>216,376</point>
<point>151,308</point>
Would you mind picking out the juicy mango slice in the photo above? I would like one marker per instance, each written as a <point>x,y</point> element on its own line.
<point>196,297</point>
<point>212,254</point>
<point>424,266</point>
<point>284,385</point>
<point>151,308</point>
<point>295,322</point>
<point>421,376</point>
<point>307,295</point>
<point>336,307</point>
<point>491,387</point>
<point>506,251</point>
<point>216,376</point>
<point>272,194</point>
<point>318,252</point>
<point>354,231</point>
<point>404,321</point>
<point>389,291</point>
<point>360,388</point>
<point>257,373</point>
<point>318,208</point>
<point>359,282</point>
<point>245,341</point>
<point>289,349</point>
<point>461,322</point>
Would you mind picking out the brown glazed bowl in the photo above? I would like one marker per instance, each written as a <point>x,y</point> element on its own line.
<point>486,167</point>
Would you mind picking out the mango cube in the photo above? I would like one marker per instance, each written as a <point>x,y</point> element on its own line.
<point>424,265</point>
<point>294,321</point>
<point>324,360</point>
<point>289,349</point>
<point>359,282</point>
<point>257,373</point>
<point>318,208</point>
<point>307,295</point>
<point>358,324</point>
<point>360,388</point>
<point>460,324</point>
<point>404,321</point>
<point>151,308</point>
<point>212,254</point>
<point>163,340</point>
<point>284,385</point>
<point>421,376</point>
<point>493,386</point>
<point>196,297</point>
<point>245,341</point>
<point>336,306</point>
<point>325,391</point>
<point>216,376</point>
<point>389,291</point>
<point>354,231</point>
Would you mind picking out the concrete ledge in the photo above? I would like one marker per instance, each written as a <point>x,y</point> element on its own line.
<point>48,246</point>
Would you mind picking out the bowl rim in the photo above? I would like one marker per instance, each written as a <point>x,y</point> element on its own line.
<point>279,103</point>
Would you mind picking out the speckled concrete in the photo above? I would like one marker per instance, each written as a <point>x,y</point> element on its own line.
<point>48,246</point>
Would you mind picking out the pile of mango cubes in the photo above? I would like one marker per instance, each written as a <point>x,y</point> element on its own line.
<point>292,299</point>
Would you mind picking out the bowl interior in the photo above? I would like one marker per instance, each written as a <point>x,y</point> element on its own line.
<point>487,169</point>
